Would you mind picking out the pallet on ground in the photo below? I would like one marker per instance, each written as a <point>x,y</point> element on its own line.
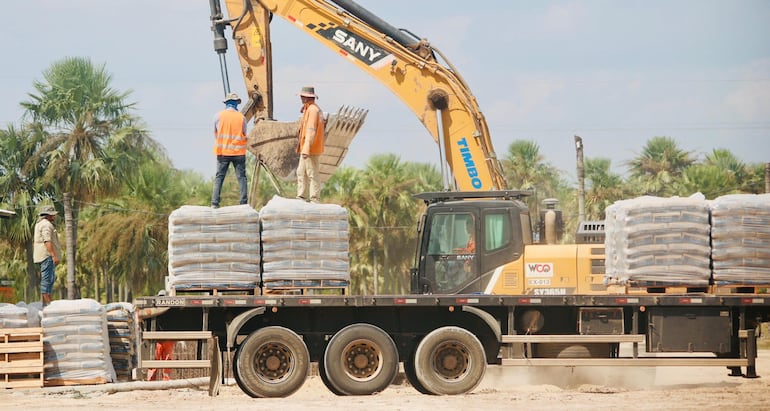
<point>21,357</point>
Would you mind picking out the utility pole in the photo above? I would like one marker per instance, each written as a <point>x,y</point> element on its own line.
<point>581,180</point>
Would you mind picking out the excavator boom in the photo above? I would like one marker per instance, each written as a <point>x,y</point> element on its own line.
<point>407,65</point>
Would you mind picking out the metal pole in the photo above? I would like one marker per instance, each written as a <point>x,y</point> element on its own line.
<point>767,177</point>
<point>445,179</point>
<point>220,43</point>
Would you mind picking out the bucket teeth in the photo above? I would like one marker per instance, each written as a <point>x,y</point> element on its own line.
<point>341,128</point>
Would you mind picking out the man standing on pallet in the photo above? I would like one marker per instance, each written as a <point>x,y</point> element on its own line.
<point>230,147</point>
<point>46,251</point>
<point>310,146</point>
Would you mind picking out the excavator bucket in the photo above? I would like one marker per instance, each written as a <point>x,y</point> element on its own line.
<point>340,130</point>
<point>275,142</point>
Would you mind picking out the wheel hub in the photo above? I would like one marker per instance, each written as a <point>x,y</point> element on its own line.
<point>451,361</point>
<point>362,360</point>
<point>273,361</point>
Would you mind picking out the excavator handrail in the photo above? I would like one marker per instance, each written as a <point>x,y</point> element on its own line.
<point>443,196</point>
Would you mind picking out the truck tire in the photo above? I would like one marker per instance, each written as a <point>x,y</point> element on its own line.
<point>411,375</point>
<point>271,362</point>
<point>450,361</point>
<point>361,359</point>
<point>325,379</point>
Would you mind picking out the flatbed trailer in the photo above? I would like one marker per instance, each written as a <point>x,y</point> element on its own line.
<point>445,342</point>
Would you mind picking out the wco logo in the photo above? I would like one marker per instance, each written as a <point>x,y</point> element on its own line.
<point>539,269</point>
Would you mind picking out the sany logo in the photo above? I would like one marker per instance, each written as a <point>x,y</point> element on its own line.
<point>538,269</point>
<point>354,45</point>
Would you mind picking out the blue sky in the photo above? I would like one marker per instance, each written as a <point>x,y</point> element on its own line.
<point>614,72</point>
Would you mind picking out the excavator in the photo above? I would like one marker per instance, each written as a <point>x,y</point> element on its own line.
<point>408,65</point>
<point>477,203</point>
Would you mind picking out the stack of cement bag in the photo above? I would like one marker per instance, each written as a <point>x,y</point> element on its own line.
<point>740,236</point>
<point>653,241</point>
<point>33,312</point>
<point>213,248</point>
<point>12,316</point>
<point>76,343</point>
<point>121,329</point>
<point>304,241</point>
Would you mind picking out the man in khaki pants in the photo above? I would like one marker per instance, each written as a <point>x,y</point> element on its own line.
<point>47,251</point>
<point>310,146</point>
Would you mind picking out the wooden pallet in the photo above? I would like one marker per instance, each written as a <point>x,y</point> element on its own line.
<point>739,289</point>
<point>656,289</point>
<point>305,287</point>
<point>212,290</point>
<point>21,357</point>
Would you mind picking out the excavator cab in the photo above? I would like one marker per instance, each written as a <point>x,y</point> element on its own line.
<point>463,239</point>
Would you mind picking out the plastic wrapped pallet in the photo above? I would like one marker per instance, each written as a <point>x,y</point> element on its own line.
<point>76,343</point>
<point>121,328</point>
<point>304,241</point>
<point>740,235</point>
<point>654,241</point>
<point>213,248</point>
<point>12,316</point>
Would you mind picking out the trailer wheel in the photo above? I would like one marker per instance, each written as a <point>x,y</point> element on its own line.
<point>361,359</point>
<point>450,361</point>
<point>325,379</point>
<point>411,375</point>
<point>271,362</point>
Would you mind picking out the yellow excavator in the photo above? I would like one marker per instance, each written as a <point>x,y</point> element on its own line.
<point>476,206</point>
<point>409,66</point>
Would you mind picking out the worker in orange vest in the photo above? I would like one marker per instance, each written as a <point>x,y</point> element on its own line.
<point>310,146</point>
<point>230,147</point>
<point>164,350</point>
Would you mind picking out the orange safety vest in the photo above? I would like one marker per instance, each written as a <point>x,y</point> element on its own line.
<point>230,139</point>
<point>311,144</point>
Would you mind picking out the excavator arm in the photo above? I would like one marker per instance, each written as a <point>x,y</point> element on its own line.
<point>407,65</point>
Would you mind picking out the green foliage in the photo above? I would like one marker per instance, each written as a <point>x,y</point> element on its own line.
<point>82,139</point>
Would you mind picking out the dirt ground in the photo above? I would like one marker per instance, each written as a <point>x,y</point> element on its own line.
<point>679,388</point>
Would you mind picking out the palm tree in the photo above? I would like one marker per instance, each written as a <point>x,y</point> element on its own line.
<point>605,187</point>
<point>135,223</point>
<point>22,191</point>
<point>660,163</point>
<point>383,212</point>
<point>754,181</point>
<point>526,169</point>
<point>83,115</point>
<point>710,180</point>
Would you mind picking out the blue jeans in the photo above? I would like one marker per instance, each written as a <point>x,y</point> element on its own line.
<point>223,163</point>
<point>47,275</point>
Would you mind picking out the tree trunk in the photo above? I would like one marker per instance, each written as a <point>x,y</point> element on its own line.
<point>96,283</point>
<point>581,179</point>
<point>70,244</point>
<point>107,286</point>
<point>33,279</point>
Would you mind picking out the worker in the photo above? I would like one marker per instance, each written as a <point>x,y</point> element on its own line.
<point>310,146</point>
<point>230,147</point>
<point>164,350</point>
<point>47,251</point>
<point>470,247</point>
